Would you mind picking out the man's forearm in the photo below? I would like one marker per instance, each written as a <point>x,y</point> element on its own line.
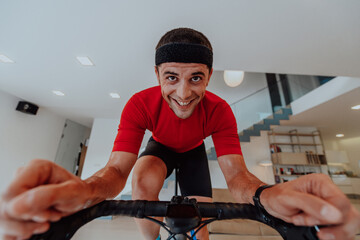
<point>241,183</point>
<point>102,184</point>
<point>108,182</point>
<point>243,187</point>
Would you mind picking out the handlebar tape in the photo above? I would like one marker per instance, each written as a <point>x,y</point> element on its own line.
<point>65,228</point>
<point>288,231</point>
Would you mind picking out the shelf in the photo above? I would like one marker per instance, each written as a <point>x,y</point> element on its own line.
<point>297,144</point>
<point>337,163</point>
<point>319,154</point>
<point>310,165</point>
<point>292,175</point>
<point>294,134</point>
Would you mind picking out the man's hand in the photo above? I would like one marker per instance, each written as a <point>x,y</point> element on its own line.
<point>42,192</point>
<point>313,200</point>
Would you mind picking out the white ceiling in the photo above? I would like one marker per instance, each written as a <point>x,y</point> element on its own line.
<point>280,36</point>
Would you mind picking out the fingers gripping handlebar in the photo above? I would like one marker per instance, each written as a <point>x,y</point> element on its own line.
<point>66,227</point>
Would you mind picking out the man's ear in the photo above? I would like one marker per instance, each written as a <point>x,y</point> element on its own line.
<point>157,73</point>
<point>210,73</point>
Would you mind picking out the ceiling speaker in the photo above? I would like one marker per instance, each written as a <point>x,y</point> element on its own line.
<point>27,107</point>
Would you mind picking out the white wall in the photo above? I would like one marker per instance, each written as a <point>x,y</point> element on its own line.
<point>101,141</point>
<point>252,83</point>
<point>24,137</point>
<point>351,147</point>
<point>255,151</point>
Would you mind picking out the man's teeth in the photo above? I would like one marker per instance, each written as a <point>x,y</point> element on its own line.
<point>183,103</point>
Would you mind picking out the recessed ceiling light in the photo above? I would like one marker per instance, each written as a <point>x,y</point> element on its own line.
<point>58,93</point>
<point>5,59</point>
<point>340,135</point>
<point>114,95</point>
<point>85,61</point>
<point>357,107</point>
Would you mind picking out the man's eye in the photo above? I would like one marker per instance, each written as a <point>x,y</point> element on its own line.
<point>196,79</point>
<point>171,78</point>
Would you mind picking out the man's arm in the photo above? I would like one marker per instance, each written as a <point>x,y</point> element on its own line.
<point>109,181</point>
<point>309,200</point>
<point>241,183</point>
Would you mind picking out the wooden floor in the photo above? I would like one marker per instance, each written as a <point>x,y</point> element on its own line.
<point>103,229</point>
<point>118,228</point>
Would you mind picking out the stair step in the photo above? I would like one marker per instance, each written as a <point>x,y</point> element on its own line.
<point>271,121</point>
<point>287,111</point>
<point>261,127</point>
<point>244,138</point>
<point>281,116</point>
<point>252,132</point>
<point>265,124</point>
<point>284,110</point>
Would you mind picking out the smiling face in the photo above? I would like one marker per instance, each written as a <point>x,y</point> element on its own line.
<point>183,85</point>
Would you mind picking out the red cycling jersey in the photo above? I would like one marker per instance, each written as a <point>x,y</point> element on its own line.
<point>148,110</point>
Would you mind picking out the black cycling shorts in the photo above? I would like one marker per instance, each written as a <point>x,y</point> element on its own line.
<point>194,176</point>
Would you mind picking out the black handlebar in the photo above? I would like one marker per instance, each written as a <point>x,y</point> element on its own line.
<point>67,226</point>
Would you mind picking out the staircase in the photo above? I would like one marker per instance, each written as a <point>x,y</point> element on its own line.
<point>254,130</point>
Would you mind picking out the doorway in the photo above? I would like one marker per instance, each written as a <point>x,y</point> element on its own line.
<point>71,145</point>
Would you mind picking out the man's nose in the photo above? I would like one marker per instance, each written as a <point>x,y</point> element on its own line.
<point>183,90</point>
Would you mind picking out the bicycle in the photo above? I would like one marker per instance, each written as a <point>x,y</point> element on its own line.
<point>182,215</point>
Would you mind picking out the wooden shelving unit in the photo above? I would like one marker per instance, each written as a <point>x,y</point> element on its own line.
<point>315,165</point>
<point>294,134</point>
<point>303,144</point>
<point>304,151</point>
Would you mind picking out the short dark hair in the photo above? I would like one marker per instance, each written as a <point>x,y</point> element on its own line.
<point>184,35</point>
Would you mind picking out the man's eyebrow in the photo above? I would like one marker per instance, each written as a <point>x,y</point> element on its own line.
<point>171,73</point>
<point>198,73</point>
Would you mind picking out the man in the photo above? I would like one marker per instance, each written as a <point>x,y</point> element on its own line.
<point>180,113</point>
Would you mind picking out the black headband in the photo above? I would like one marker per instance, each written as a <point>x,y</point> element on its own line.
<point>184,53</point>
